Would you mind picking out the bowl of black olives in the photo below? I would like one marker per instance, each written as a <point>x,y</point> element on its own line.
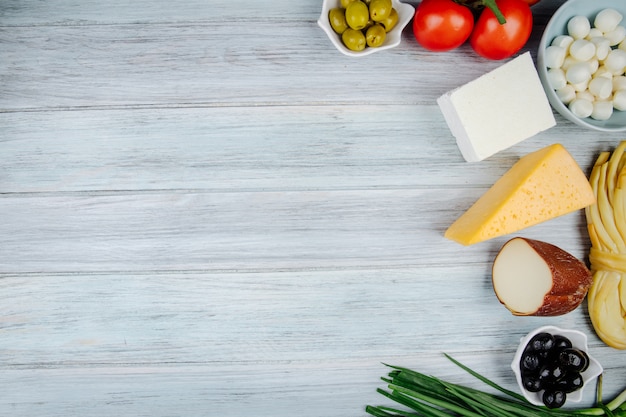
<point>362,27</point>
<point>553,365</point>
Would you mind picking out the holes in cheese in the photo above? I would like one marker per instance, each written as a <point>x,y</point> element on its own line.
<point>542,185</point>
<point>534,278</point>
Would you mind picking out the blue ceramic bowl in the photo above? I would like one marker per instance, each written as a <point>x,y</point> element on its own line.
<point>558,26</point>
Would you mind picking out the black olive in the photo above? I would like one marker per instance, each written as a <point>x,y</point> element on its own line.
<point>574,359</point>
<point>562,342</point>
<point>558,372</point>
<point>586,360</point>
<point>530,363</point>
<point>554,399</point>
<point>571,382</point>
<point>532,383</point>
<point>541,342</point>
<point>550,374</point>
<point>544,373</point>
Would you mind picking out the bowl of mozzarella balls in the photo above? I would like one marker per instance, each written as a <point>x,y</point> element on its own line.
<point>581,62</point>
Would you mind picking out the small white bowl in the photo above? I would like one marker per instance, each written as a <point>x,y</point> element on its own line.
<point>393,38</point>
<point>579,341</point>
<point>558,26</point>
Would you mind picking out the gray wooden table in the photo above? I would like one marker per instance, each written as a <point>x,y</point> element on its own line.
<point>206,210</point>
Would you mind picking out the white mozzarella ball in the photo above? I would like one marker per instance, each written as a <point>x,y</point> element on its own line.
<point>578,27</point>
<point>578,73</point>
<point>580,86</point>
<point>586,94</point>
<point>619,100</point>
<point>564,41</point>
<point>602,110</point>
<point>616,61</point>
<point>601,87</point>
<point>594,32</point>
<point>582,49</point>
<point>622,45</point>
<point>566,94</point>
<point>568,62</point>
<point>603,46</point>
<point>607,20</point>
<point>602,72</point>
<point>619,83</point>
<point>594,64</point>
<point>581,107</point>
<point>554,56</point>
<point>616,36</point>
<point>556,78</point>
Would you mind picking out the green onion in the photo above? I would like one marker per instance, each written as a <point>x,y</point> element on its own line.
<point>427,396</point>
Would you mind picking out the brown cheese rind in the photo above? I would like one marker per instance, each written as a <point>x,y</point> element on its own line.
<point>571,279</point>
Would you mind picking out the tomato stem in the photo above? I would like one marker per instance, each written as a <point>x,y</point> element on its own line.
<point>491,4</point>
<point>479,5</point>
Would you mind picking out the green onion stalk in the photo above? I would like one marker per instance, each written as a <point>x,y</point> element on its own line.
<point>427,396</point>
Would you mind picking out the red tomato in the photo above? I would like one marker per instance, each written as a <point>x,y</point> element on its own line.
<point>493,40</point>
<point>531,2</point>
<point>441,25</point>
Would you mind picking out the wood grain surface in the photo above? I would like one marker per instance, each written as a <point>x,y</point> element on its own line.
<point>207,210</point>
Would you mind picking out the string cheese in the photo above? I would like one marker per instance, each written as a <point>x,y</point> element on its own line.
<point>606,223</point>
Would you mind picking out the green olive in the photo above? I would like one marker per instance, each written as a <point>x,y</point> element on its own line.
<point>337,18</point>
<point>353,39</point>
<point>380,9</point>
<point>357,15</point>
<point>391,21</point>
<point>375,36</point>
<point>345,3</point>
<point>368,25</point>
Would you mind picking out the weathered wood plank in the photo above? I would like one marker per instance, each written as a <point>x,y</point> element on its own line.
<point>93,12</point>
<point>142,343</point>
<point>204,318</point>
<point>217,64</point>
<point>254,148</point>
<point>333,388</point>
<point>248,231</point>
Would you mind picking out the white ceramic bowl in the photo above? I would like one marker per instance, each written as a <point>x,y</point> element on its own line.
<point>558,26</point>
<point>393,38</point>
<point>579,341</point>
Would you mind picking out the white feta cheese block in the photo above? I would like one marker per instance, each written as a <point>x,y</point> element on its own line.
<point>498,109</point>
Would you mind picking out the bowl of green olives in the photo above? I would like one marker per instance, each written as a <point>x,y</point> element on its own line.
<point>362,27</point>
<point>553,365</point>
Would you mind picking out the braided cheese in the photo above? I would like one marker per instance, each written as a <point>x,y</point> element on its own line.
<point>606,223</point>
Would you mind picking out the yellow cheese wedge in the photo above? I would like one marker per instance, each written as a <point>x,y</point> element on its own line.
<point>542,185</point>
